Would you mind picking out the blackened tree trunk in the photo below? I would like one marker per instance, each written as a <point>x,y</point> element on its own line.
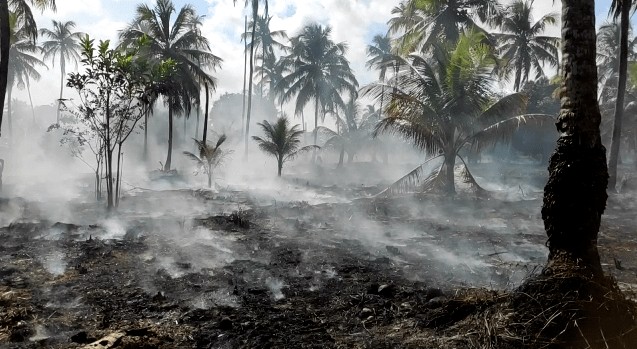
<point>279,166</point>
<point>5,45</point>
<point>575,195</point>
<point>170,138</point>
<point>621,92</point>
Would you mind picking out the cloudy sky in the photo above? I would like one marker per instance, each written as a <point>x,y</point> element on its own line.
<point>353,21</point>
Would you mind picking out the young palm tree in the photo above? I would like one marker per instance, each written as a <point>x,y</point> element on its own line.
<point>22,9</point>
<point>320,72</point>
<point>65,43</point>
<point>22,63</point>
<point>281,141</point>
<point>522,45</point>
<point>444,105</point>
<point>355,132</point>
<point>575,195</point>
<point>210,157</point>
<point>180,41</point>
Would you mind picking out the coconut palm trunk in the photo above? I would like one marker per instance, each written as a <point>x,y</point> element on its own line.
<point>5,45</point>
<point>255,8</point>
<point>63,71</point>
<point>575,195</point>
<point>9,107</point>
<point>621,92</point>
<point>205,119</point>
<point>447,172</point>
<point>146,112</point>
<point>31,100</point>
<point>279,166</point>
<point>170,138</point>
<point>316,115</point>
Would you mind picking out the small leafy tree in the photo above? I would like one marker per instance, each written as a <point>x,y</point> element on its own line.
<point>281,141</point>
<point>114,91</point>
<point>210,157</point>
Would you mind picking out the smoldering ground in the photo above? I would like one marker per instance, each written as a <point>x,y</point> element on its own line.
<point>311,257</point>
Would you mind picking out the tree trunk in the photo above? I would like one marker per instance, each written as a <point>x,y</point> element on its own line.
<point>109,156</point>
<point>209,175</point>
<point>447,172</point>
<point>170,138</point>
<point>575,195</point>
<point>198,121</point>
<point>31,100</point>
<point>279,167</point>
<point>621,92</point>
<point>118,171</point>
<point>316,114</point>
<point>5,45</point>
<point>255,8</point>
<point>341,155</point>
<point>205,118</point>
<point>245,73</point>
<point>146,134</point>
<point>9,118</point>
<point>62,70</point>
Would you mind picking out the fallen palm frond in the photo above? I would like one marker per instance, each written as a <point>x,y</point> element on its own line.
<point>408,183</point>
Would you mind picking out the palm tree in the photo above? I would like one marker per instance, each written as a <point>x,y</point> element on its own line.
<point>265,41</point>
<point>255,14</point>
<point>521,44</point>
<point>444,105</point>
<point>421,23</point>
<point>23,62</point>
<point>619,8</point>
<point>281,141</point>
<point>380,58</point>
<point>23,11</point>
<point>65,43</point>
<point>355,131</point>
<point>320,72</point>
<point>180,41</point>
<point>210,157</point>
<point>575,195</point>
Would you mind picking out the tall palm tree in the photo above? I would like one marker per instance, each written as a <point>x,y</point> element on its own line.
<point>265,42</point>
<point>180,41</point>
<point>447,104</point>
<point>22,62</point>
<point>522,45</point>
<point>320,72</point>
<point>380,58</point>
<point>255,14</point>
<point>281,141</point>
<point>65,44</point>
<point>421,23</point>
<point>619,9</point>
<point>23,11</point>
<point>575,195</point>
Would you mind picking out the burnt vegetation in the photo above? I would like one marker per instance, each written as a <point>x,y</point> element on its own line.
<point>477,192</point>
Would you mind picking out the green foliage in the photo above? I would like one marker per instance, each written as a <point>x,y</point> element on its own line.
<point>281,141</point>
<point>210,156</point>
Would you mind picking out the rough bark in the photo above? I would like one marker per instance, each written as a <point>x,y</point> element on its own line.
<point>447,173</point>
<point>279,167</point>
<point>575,195</point>
<point>5,45</point>
<point>621,92</point>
